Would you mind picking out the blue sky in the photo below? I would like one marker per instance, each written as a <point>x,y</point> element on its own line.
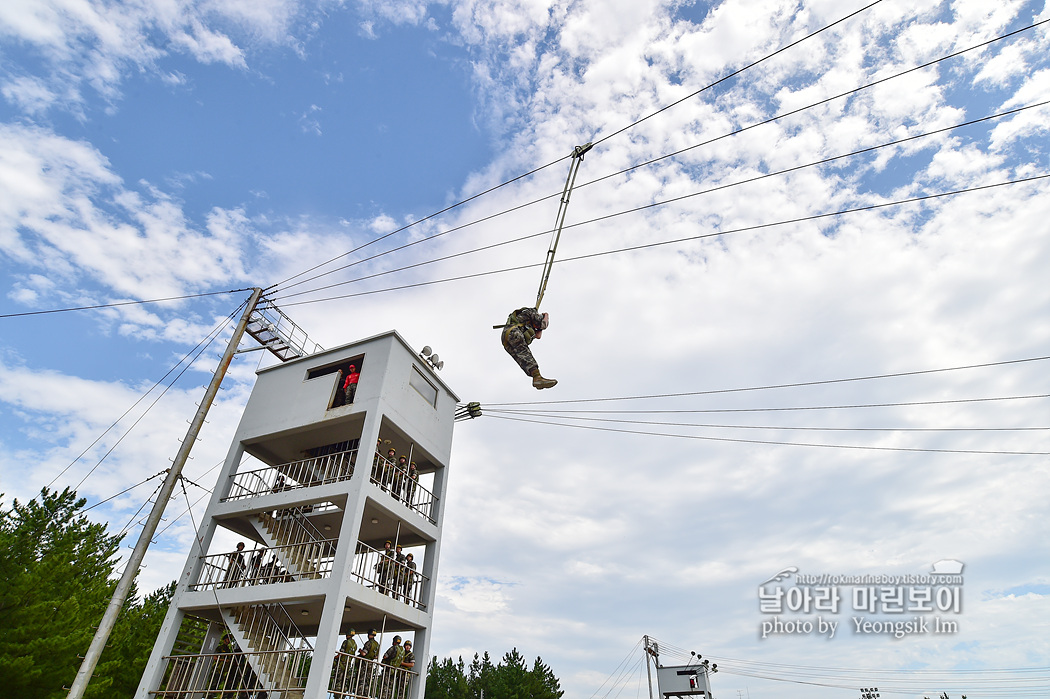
<point>185,147</point>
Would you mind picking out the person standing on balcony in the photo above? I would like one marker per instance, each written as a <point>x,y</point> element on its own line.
<point>407,663</point>
<point>410,485</point>
<point>409,578</point>
<point>399,571</point>
<point>235,569</point>
<point>392,659</point>
<point>350,384</point>
<point>522,327</point>
<point>388,468</point>
<point>400,473</point>
<point>369,653</point>
<point>386,570</point>
<point>342,674</point>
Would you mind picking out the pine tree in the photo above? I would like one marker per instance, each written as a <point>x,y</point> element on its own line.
<point>55,583</point>
<point>510,679</point>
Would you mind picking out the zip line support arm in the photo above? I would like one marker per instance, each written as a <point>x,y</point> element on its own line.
<point>577,157</point>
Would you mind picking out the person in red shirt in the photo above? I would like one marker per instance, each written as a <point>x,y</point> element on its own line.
<point>350,384</point>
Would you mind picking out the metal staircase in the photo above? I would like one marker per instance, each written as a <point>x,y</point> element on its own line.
<point>275,331</point>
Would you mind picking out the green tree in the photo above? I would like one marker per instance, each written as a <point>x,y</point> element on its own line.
<point>510,679</point>
<point>55,583</point>
<point>446,680</point>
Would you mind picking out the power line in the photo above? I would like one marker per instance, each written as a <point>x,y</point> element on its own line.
<point>200,347</point>
<point>749,180</point>
<point>553,162</point>
<point>121,303</point>
<point>823,382</point>
<point>635,248</point>
<point>102,502</point>
<point>780,443</point>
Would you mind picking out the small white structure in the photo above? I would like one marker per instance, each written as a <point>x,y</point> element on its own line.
<point>312,491</point>
<point>683,681</point>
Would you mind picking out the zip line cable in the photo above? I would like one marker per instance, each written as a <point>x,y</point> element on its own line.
<point>822,382</point>
<point>121,303</point>
<point>847,93</point>
<point>737,72</point>
<point>563,416</point>
<point>780,443</point>
<point>707,142</point>
<point>814,407</point>
<point>749,180</point>
<point>554,162</point>
<point>644,246</point>
<point>159,381</point>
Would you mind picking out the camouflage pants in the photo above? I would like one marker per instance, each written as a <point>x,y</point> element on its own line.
<point>514,342</point>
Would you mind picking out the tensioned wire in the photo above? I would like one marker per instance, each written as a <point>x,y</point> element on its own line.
<point>675,153</point>
<point>115,304</point>
<point>530,236</point>
<point>644,246</point>
<point>775,442</point>
<point>600,140</point>
<point>563,413</point>
<point>660,423</point>
<point>797,384</point>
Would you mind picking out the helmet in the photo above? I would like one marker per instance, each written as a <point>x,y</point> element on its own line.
<point>397,639</point>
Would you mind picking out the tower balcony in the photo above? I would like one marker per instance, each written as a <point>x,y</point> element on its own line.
<point>403,486</point>
<point>359,678</point>
<point>306,560</point>
<point>382,571</point>
<point>304,473</point>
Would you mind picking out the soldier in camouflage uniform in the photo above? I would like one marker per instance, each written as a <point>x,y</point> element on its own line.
<point>343,678</point>
<point>522,327</point>
<point>392,659</point>
<point>407,663</point>
<point>368,652</point>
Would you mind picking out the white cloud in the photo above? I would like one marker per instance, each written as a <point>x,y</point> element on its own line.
<point>68,213</point>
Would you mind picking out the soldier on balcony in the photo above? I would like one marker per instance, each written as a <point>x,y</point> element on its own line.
<point>343,677</point>
<point>392,660</point>
<point>369,653</point>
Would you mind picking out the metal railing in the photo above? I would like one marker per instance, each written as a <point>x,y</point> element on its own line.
<point>265,627</point>
<point>231,675</point>
<point>309,560</point>
<point>402,487</point>
<point>383,572</point>
<point>277,332</point>
<point>354,676</point>
<point>316,470</point>
<point>292,526</point>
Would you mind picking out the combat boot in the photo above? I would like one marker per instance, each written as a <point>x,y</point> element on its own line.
<point>539,382</point>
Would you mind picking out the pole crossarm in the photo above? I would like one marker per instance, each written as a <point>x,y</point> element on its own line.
<point>577,157</point>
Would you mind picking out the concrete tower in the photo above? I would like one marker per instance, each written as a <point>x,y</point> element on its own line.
<point>292,552</point>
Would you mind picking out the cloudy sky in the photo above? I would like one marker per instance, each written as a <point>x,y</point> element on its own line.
<point>727,242</point>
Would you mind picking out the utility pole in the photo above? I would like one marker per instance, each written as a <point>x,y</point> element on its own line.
<point>648,672</point>
<point>109,619</point>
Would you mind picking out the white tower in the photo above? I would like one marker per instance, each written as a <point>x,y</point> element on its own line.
<point>314,501</point>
